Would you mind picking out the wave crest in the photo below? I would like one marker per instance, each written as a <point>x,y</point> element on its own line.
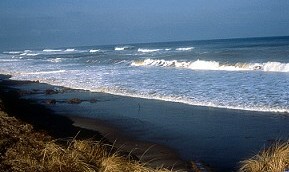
<point>51,50</point>
<point>185,48</point>
<point>12,52</point>
<point>93,51</point>
<point>143,50</point>
<point>214,65</point>
<point>70,50</point>
<point>28,54</point>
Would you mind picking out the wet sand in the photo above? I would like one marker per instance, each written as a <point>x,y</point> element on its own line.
<point>69,126</point>
<point>219,137</point>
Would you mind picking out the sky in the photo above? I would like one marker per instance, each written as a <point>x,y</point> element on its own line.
<point>64,23</point>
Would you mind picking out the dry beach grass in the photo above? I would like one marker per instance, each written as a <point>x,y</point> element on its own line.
<point>23,149</point>
<point>272,159</point>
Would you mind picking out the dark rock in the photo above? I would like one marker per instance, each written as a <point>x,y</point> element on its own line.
<point>50,91</point>
<point>74,101</point>
<point>51,102</point>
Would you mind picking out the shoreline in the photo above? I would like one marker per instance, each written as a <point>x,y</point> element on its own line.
<point>62,126</point>
<point>219,137</point>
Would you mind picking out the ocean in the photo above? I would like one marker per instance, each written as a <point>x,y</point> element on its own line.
<point>246,74</point>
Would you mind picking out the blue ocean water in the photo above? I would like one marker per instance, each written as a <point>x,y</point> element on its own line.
<point>246,74</point>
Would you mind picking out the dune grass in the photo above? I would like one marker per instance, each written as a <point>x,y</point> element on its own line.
<point>23,149</point>
<point>272,159</point>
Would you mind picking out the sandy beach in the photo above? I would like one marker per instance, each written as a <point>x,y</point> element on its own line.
<point>160,132</point>
<point>69,126</point>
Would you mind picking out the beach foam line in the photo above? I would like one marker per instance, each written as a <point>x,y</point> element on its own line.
<point>186,101</point>
<point>44,72</point>
<point>214,65</point>
<point>154,96</point>
<point>190,102</point>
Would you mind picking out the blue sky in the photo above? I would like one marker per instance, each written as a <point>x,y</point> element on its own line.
<point>54,23</point>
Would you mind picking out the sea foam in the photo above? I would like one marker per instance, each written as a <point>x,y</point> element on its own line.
<point>28,54</point>
<point>56,60</point>
<point>51,50</point>
<point>69,50</point>
<point>147,50</point>
<point>185,49</point>
<point>214,65</point>
<point>12,52</point>
<point>120,48</point>
<point>93,51</point>
<point>44,72</point>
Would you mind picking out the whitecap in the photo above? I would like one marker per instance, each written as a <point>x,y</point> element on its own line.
<point>69,50</point>
<point>185,48</point>
<point>121,48</point>
<point>147,50</point>
<point>93,51</point>
<point>51,50</point>
<point>31,54</point>
<point>12,52</point>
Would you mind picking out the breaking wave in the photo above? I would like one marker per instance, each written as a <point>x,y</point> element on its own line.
<point>147,50</point>
<point>12,52</point>
<point>185,49</point>
<point>28,54</point>
<point>51,50</point>
<point>93,51</point>
<point>214,65</point>
<point>122,48</point>
<point>69,50</point>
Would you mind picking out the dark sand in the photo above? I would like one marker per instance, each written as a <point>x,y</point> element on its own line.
<point>219,137</point>
<point>59,126</point>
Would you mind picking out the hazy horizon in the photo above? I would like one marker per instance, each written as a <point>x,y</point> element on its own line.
<point>135,43</point>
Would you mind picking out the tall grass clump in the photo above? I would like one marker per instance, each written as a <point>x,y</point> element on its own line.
<point>273,159</point>
<point>78,156</point>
